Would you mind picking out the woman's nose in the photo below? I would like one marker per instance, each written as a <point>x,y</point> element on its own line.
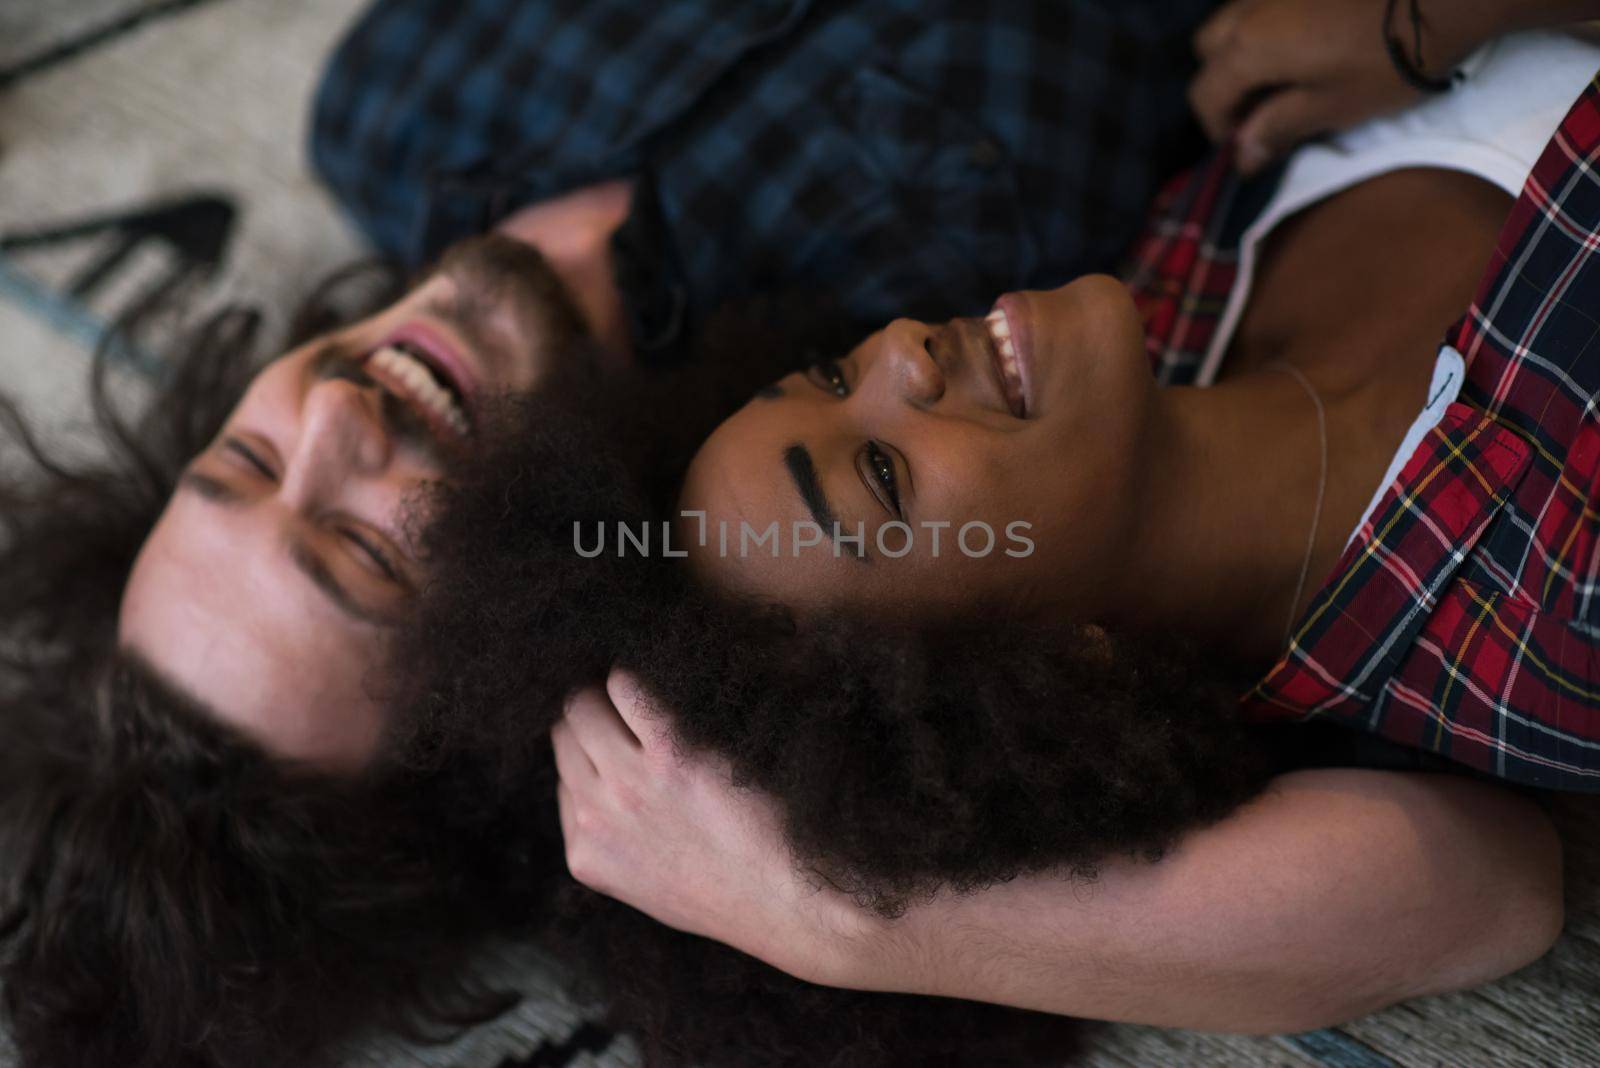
<point>342,433</point>
<point>905,364</point>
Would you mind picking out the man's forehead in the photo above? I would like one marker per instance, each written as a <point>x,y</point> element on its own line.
<point>214,571</point>
<point>243,637</point>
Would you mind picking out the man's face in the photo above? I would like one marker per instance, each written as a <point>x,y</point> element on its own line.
<point>270,586</point>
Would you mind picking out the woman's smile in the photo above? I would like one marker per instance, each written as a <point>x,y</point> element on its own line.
<point>959,412</point>
<point>1010,356</point>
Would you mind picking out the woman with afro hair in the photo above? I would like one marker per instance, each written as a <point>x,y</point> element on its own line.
<point>944,742</point>
<point>1082,809</point>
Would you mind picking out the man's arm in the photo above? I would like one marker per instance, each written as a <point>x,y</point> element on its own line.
<point>1276,72</point>
<point>1333,894</point>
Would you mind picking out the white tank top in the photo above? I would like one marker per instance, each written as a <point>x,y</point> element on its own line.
<point>1494,124</point>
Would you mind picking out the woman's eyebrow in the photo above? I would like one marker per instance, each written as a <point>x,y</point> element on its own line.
<point>797,458</point>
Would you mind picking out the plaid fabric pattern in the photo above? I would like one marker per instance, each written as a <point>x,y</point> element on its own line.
<point>901,156</point>
<point>1462,619</point>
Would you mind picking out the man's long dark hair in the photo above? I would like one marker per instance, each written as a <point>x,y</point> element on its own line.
<point>170,896</point>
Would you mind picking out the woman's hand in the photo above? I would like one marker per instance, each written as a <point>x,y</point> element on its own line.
<point>668,833</point>
<point>1276,72</point>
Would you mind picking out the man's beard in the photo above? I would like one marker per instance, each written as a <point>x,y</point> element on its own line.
<point>511,619</point>
<point>493,272</point>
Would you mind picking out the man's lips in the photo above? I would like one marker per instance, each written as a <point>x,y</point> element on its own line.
<point>443,357</point>
<point>421,400</point>
<point>423,370</point>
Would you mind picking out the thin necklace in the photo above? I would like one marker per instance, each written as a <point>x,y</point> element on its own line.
<point>1322,486</point>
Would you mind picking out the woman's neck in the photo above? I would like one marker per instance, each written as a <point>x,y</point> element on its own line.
<point>1227,510</point>
<point>1354,292</point>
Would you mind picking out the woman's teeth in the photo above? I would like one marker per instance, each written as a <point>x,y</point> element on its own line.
<point>1000,331</point>
<point>421,388</point>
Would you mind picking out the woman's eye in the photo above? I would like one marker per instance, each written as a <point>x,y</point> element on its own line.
<point>830,376</point>
<point>881,468</point>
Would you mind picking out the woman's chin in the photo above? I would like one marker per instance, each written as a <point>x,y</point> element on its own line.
<point>1087,346</point>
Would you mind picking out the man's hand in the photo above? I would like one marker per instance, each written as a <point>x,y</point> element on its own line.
<point>1332,894</point>
<point>1276,72</point>
<point>668,833</point>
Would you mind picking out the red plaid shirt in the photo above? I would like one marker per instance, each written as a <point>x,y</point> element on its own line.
<point>1463,618</point>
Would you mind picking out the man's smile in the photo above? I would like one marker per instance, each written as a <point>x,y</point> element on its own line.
<point>418,379</point>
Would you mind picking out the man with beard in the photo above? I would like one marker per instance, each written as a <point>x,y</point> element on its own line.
<point>219,849</point>
<point>285,556</point>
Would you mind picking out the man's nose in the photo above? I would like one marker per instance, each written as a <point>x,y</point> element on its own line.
<point>904,368</point>
<point>342,433</point>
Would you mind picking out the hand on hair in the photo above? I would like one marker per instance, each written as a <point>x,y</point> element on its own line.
<point>1276,72</point>
<point>669,833</point>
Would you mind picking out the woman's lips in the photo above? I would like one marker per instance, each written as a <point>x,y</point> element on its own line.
<point>1011,330</point>
<point>969,344</point>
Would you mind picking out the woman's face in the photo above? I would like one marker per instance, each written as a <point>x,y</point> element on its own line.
<point>988,463</point>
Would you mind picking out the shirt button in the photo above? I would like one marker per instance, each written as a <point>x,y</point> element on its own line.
<point>985,154</point>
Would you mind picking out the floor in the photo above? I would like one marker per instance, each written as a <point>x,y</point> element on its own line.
<point>111,105</point>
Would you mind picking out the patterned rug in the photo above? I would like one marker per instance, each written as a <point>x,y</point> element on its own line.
<point>153,145</point>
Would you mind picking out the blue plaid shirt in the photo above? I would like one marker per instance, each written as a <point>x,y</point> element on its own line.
<point>900,156</point>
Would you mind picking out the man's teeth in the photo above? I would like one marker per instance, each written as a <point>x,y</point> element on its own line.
<point>421,387</point>
<point>1000,330</point>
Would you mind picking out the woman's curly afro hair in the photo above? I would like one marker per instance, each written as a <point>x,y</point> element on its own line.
<point>904,759</point>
